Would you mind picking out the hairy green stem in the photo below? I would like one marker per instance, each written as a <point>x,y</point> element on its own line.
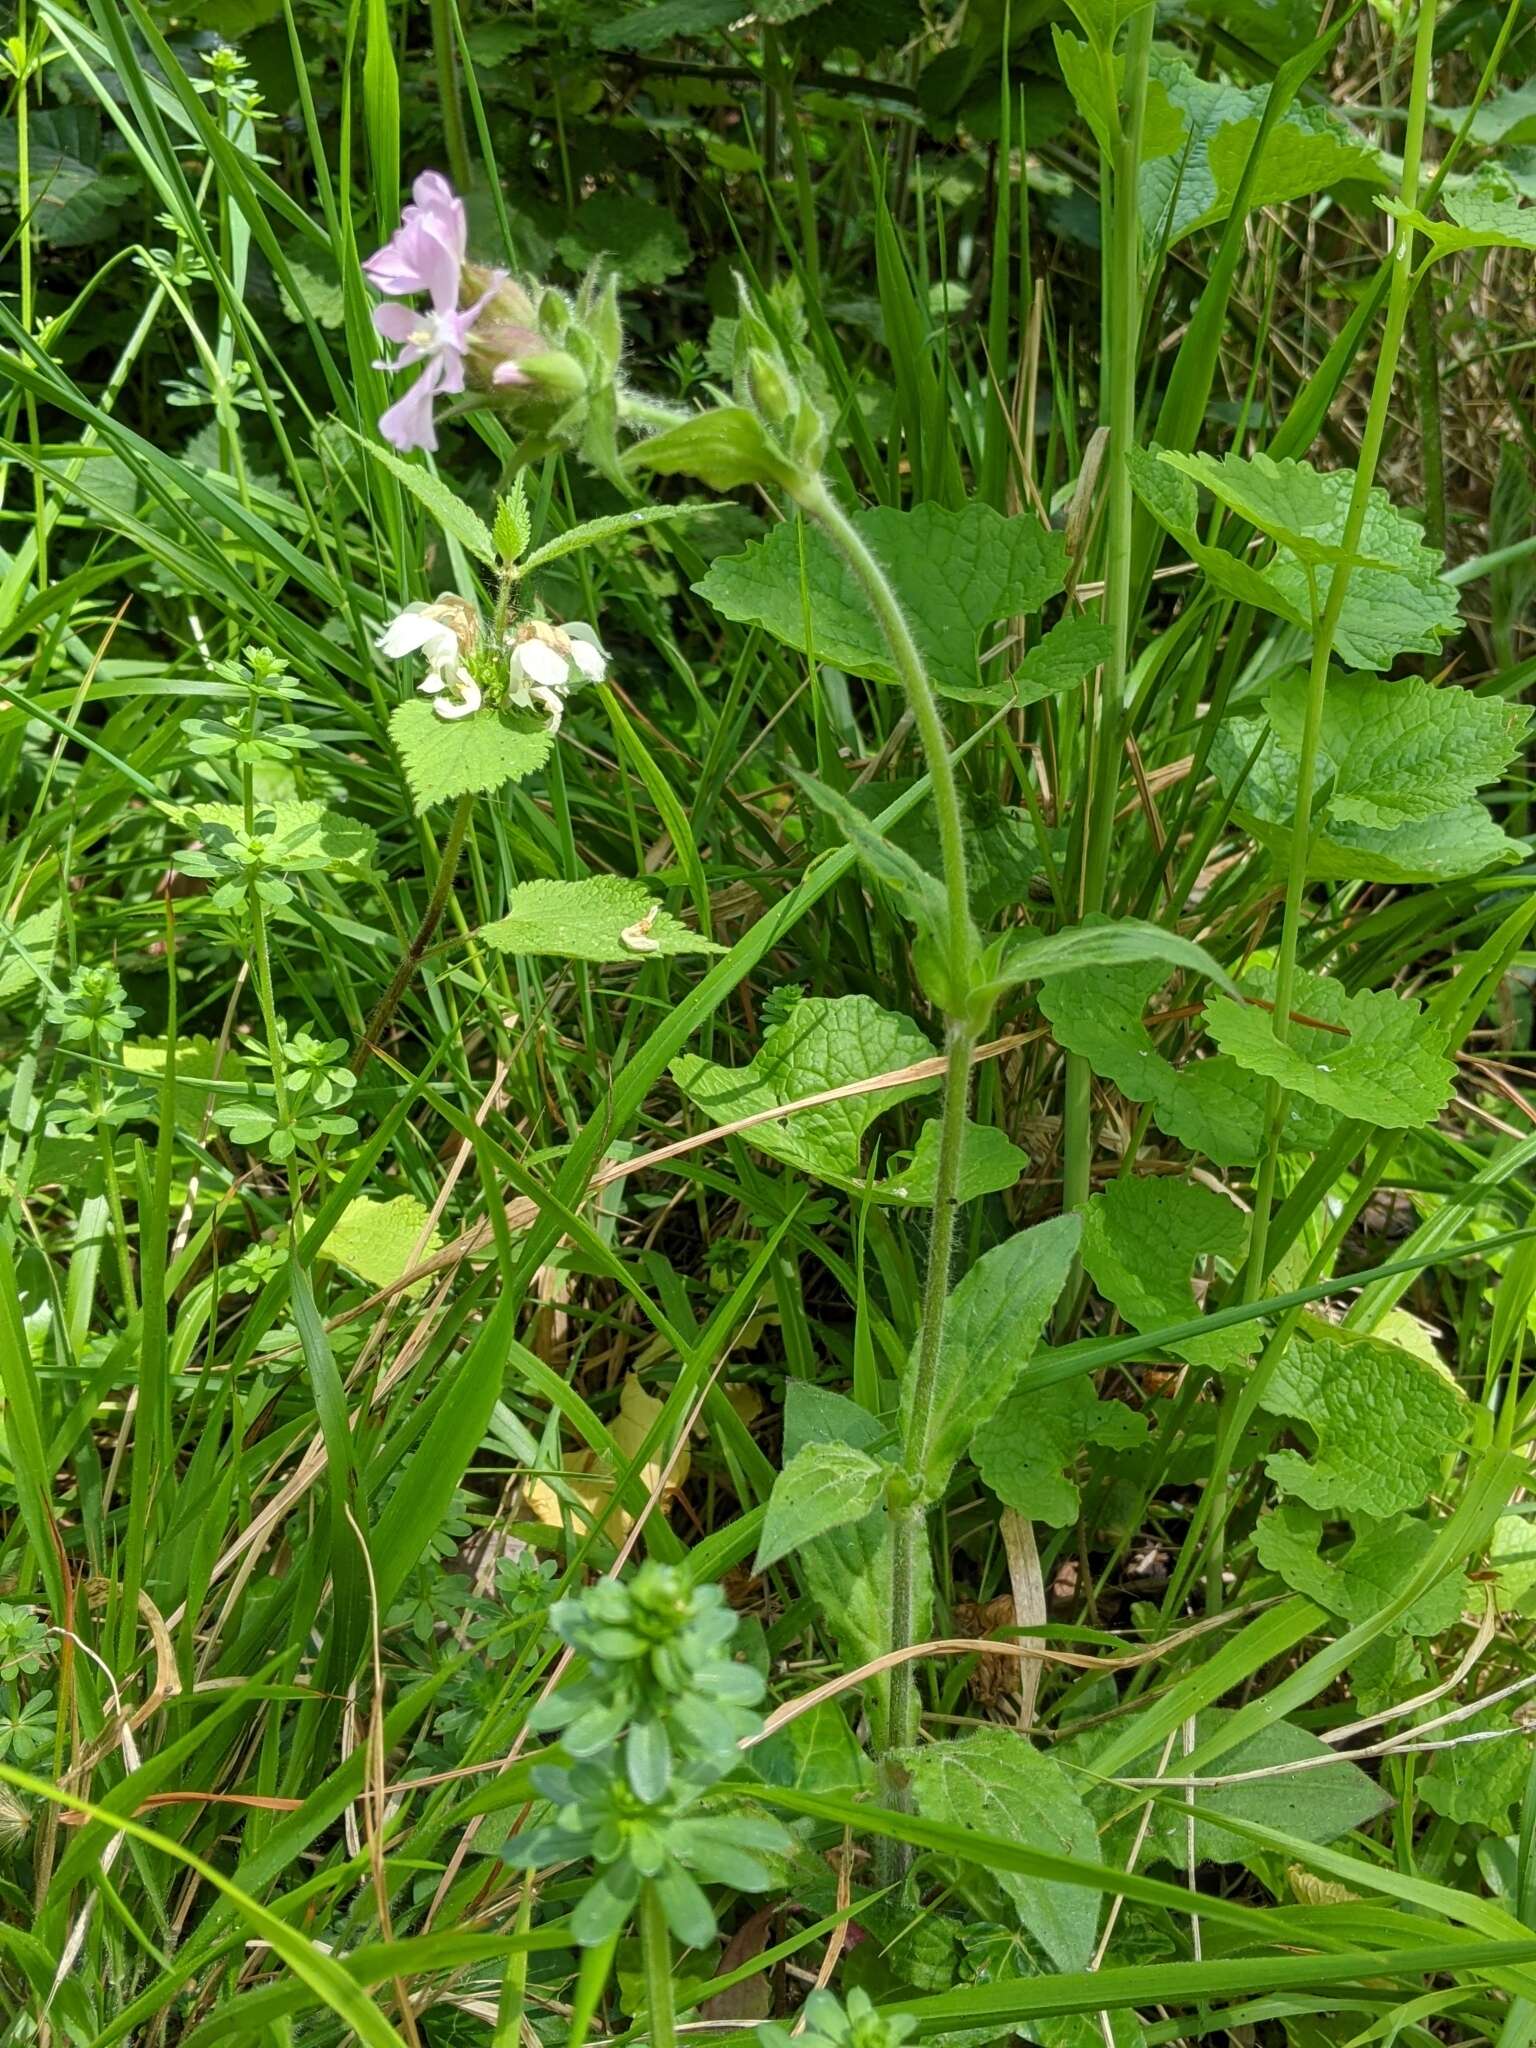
<point>909,1525</point>
<point>656,1957</point>
<point>1121,347</point>
<point>447,868</point>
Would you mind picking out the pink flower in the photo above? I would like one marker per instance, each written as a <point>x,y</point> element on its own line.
<point>425,254</point>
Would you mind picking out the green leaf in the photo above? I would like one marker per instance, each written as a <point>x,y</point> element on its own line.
<point>823,1487</point>
<point>433,495</point>
<point>847,1572</point>
<point>1404,751</point>
<point>1385,1066</point>
<point>994,1782</point>
<point>1031,1452</point>
<point>304,834</point>
<point>823,1043</point>
<point>513,526</point>
<point>989,1162</point>
<point>920,893</point>
<point>1308,150</point>
<point>651,28</point>
<point>1140,1239</point>
<point>1405,607</point>
<point>36,936</point>
<point>1461,841</point>
<point>1027,955</point>
<point>1073,648</point>
<point>816,1752</point>
<point>724,448</point>
<point>446,758</point>
<point>1357,1582</point>
<point>993,1324</point>
<point>1210,1105</point>
<point>1487,212</point>
<point>957,572</point>
<point>1505,119</point>
<point>378,1240</point>
<point>1316,1805</point>
<point>197,1061</point>
<point>1477,1783</point>
<point>1512,1559</point>
<point>72,198</point>
<point>613,526</point>
<point>1384,1422</point>
<point>642,241</point>
<point>587,920</point>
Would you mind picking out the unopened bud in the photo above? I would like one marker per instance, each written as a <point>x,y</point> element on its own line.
<point>770,388</point>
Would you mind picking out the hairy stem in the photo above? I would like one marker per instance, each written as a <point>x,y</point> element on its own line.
<point>447,868</point>
<point>1122,343</point>
<point>909,1525</point>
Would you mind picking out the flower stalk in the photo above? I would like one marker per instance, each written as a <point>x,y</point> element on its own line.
<point>400,981</point>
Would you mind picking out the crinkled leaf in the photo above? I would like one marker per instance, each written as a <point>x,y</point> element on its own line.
<point>1358,1580</point>
<point>1383,1420</point>
<point>1211,1105</point>
<point>1478,1783</point>
<point>822,1487</point>
<point>994,1782</point>
<point>1073,648</point>
<point>641,240</point>
<point>1460,841</point>
<point>1308,150</point>
<point>989,1162</point>
<point>652,28</point>
<point>445,758</point>
<point>1140,1239</point>
<point>816,1752</point>
<point>1512,1558</point>
<point>1030,1452</point>
<point>1504,119</point>
<point>824,1042</point>
<point>72,198</point>
<point>34,936</point>
<point>1404,607</point>
<point>957,572</point>
<point>1384,1067</point>
<point>1488,212</point>
<point>377,1240</point>
<point>1400,752</point>
<point>587,920</point>
<point>994,1320</point>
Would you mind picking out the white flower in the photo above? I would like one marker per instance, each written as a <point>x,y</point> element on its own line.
<point>545,663</point>
<point>443,633</point>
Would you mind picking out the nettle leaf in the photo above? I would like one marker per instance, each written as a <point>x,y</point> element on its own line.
<point>1211,1105</point>
<point>1382,1062</point>
<point>1487,212</point>
<point>445,758</point>
<point>1477,1783</point>
<point>1358,1580</point>
<point>588,920</point>
<point>651,28</point>
<point>1141,1237</point>
<point>200,1064</point>
<point>1031,1451</point>
<point>1316,1805</point>
<point>822,1487</point>
<point>994,1782</point>
<point>1384,1421</point>
<point>1400,752</point>
<point>994,1320</point>
<point>816,1752</point>
<point>26,948</point>
<point>989,1162</point>
<point>847,1571</point>
<point>72,198</point>
<point>1397,601</point>
<point>824,1042</point>
<point>1460,841</point>
<point>1512,1559</point>
<point>642,241</point>
<point>1073,648</point>
<point>455,518</point>
<point>1505,119</point>
<point>304,834</point>
<point>1308,150</point>
<point>377,1240</point>
<point>958,573</point>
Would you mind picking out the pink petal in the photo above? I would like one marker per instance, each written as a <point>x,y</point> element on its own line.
<point>396,323</point>
<point>408,422</point>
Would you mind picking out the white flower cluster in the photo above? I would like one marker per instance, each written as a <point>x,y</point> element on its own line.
<point>544,662</point>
